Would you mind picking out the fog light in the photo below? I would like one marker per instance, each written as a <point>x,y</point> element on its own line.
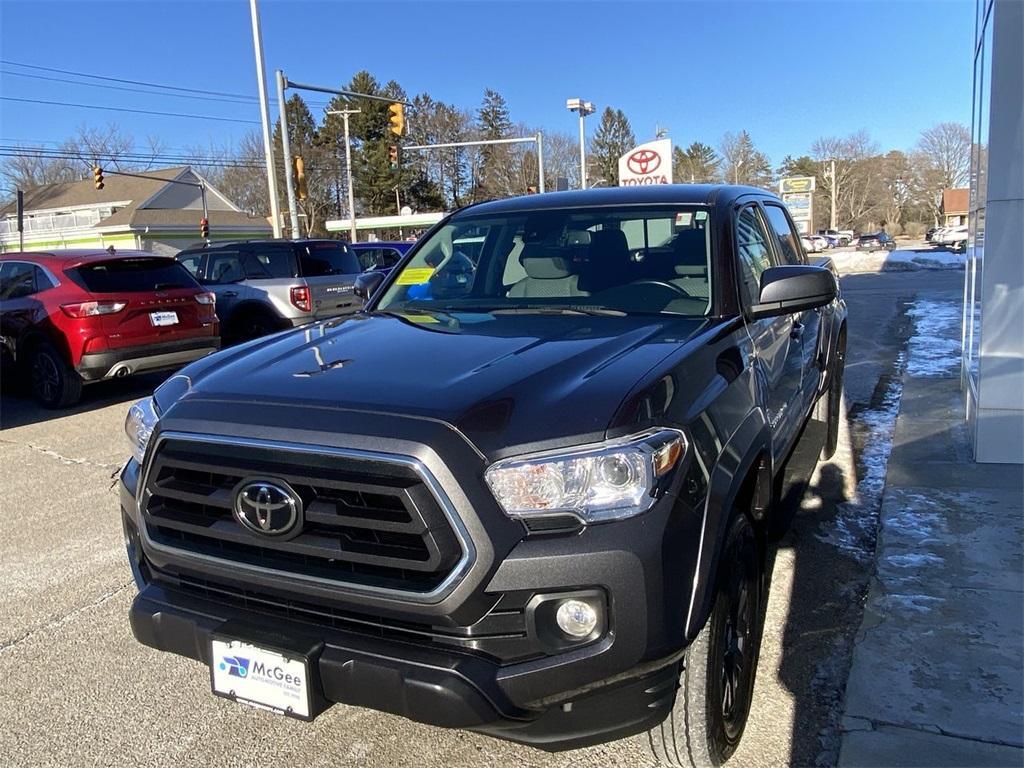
<point>576,618</point>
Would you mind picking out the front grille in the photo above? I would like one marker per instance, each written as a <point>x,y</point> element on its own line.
<point>367,521</point>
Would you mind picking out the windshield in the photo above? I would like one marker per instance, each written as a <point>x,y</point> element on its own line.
<point>619,260</point>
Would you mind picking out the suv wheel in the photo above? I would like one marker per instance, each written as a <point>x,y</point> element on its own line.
<point>716,683</point>
<point>831,403</point>
<point>252,325</point>
<point>54,383</point>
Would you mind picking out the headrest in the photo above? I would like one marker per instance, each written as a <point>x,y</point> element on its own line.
<point>577,237</point>
<point>541,266</point>
<point>689,249</point>
<point>610,241</point>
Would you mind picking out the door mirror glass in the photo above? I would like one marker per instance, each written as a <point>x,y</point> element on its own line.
<point>367,283</point>
<point>789,289</point>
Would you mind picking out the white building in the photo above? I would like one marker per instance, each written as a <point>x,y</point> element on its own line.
<point>150,214</point>
<point>993,348</point>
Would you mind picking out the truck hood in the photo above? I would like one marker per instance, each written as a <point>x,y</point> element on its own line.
<point>507,383</point>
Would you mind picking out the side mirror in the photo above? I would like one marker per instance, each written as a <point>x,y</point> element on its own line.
<point>789,289</point>
<point>367,283</point>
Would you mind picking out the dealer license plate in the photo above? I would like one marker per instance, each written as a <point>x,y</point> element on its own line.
<point>260,677</point>
<point>163,318</point>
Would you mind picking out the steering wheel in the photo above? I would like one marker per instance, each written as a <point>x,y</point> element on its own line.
<point>661,284</point>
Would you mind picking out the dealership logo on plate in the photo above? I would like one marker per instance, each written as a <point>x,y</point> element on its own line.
<point>236,666</point>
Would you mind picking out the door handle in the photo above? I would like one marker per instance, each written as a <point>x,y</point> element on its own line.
<point>229,294</point>
<point>797,331</point>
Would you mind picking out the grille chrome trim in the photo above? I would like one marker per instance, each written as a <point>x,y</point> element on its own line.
<point>434,595</point>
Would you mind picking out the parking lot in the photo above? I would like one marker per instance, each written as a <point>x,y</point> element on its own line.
<point>79,690</point>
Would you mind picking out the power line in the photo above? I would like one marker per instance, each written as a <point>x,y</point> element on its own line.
<point>221,99</point>
<point>126,109</point>
<point>123,80</point>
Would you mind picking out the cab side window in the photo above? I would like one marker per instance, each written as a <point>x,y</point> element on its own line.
<point>192,262</point>
<point>788,240</point>
<point>389,257</point>
<point>268,261</point>
<point>224,267</point>
<point>753,253</point>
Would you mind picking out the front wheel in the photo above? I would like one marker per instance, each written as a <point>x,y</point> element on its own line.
<point>832,400</point>
<point>716,683</point>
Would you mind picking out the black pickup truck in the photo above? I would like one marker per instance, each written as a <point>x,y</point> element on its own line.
<point>527,491</point>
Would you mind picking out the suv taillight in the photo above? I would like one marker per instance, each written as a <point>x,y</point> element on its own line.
<point>206,298</point>
<point>300,297</point>
<point>93,308</point>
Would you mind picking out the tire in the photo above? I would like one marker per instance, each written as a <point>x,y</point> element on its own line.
<point>833,400</point>
<point>251,324</point>
<point>716,682</point>
<point>53,382</point>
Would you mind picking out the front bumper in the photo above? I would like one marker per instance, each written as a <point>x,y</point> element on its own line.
<point>126,361</point>
<point>511,687</point>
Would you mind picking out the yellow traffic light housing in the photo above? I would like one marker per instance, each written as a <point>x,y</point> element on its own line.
<point>204,228</point>
<point>393,156</point>
<point>299,169</point>
<point>97,176</point>
<point>396,118</point>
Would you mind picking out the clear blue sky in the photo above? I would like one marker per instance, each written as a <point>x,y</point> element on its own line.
<point>788,72</point>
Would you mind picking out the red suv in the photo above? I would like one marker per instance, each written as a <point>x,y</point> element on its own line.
<point>73,317</point>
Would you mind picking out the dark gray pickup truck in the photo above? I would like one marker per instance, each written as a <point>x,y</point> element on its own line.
<point>526,491</point>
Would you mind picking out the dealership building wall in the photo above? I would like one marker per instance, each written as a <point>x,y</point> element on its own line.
<point>993,334</point>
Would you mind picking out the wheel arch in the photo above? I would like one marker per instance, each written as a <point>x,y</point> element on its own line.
<point>745,456</point>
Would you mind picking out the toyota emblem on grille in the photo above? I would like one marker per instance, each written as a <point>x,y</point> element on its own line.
<point>268,508</point>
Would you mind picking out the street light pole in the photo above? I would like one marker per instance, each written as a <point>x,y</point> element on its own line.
<point>268,144</point>
<point>584,108</point>
<point>348,171</point>
<point>832,183</point>
<point>286,151</point>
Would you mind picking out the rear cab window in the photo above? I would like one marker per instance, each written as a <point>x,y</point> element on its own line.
<point>327,258</point>
<point>131,275</point>
<point>268,261</point>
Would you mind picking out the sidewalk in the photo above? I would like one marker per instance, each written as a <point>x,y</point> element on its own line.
<point>937,670</point>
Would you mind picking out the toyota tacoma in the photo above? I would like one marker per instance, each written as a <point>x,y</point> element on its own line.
<point>527,490</point>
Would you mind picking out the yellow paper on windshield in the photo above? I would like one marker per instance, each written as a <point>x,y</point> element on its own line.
<point>422,318</point>
<point>414,275</point>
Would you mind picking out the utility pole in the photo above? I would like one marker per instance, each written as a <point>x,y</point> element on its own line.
<point>584,108</point>
<point>832,180</point>
<point>286,151</point>
<point>540,162</point>
<point>348,171</point>
<point>268,144</point>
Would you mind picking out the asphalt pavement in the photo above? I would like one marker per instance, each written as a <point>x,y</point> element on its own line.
<point>79,690</point>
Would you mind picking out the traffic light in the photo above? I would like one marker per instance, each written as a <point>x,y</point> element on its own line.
<point>300,177</point>
<point>396,118</point>
<point>97,176</point>
<point>204,228</point>
<point>393,156</point>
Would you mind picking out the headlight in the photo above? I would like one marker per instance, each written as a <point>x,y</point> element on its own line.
<point>609,481</point>
<point>142,418</point>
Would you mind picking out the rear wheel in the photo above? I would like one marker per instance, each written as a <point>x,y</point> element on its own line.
<point>716,683</point>
<point>833,400</point>
<point>54,383</point>
<point>251,325</point>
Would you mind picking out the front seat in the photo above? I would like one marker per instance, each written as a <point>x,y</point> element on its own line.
<point>608,264</point>
<point>547,277</point>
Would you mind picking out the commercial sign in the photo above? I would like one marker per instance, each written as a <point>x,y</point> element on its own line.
<point>796,184</point>
<point>650,163</point>
<point>797,194</point>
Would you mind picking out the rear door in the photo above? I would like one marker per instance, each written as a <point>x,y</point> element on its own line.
<point>159,297</point>
<point>778,349</point>
<point>806,325</point>
<point>223,274</point>
<point>330,269</point>
<point>20,309</point>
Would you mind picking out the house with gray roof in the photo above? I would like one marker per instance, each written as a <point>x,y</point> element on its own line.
<point>149,214</point>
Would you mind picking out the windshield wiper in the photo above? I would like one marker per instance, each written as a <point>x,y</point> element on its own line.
<point>555,309</point>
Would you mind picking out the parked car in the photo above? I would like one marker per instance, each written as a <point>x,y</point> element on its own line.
<point>879,241</point>
<point>930,233</point>
<point>841,237</point>
<point>263,286</point>
<point>952,237</point>
<point>69,318</point>
<point>380,256</point>
<point>807,243</point>
<point>533,503</point>
<point>821,243</point>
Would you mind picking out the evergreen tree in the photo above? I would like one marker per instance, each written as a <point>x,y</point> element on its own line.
<point>697,164</point>
<point>493,122</point>
<point>744,163</point>
<point>612,139</point>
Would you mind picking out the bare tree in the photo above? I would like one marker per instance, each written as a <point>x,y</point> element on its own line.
<point>942,160</point>
<point>852,182</point>
<point>743,163</point>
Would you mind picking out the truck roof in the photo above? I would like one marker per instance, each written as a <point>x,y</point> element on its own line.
<point>653,194</point>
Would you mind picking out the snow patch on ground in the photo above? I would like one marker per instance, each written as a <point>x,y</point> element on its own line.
<point>851,262</point>
<point>934,349</point>
<point>856,520</point>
